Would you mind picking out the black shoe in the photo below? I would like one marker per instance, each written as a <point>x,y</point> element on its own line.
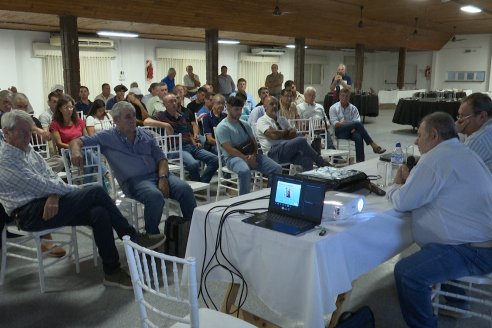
<point>119,278</point>
<point>151,241</point>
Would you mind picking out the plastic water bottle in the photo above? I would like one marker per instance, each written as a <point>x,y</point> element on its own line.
<point>397,157</point>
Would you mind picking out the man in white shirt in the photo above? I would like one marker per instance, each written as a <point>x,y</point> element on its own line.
<point>191,81</point>
<point>475,121</point>
<point>449,195</point>
<point>297,97</point>
<point>155,104</point>
<point>259,110</point>
<point>280,141</point>
<point>106,94</point>
<point>310,109</point>
<point>346,119</point>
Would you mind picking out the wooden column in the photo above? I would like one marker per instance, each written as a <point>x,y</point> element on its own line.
<point>212,55</point>
<point>400,79</point>
<point>359,66</point>
<point>70,55</point>
<point>299,64</point>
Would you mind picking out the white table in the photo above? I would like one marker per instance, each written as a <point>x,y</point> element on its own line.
<point>299,277</point>
<point>393,96</point>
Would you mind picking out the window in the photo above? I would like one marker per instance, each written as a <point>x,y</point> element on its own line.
<point>313,74</point>
<point>465,76</point>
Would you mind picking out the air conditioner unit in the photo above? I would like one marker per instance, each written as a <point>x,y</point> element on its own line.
<point>267,51</point>
<point>85,42</point>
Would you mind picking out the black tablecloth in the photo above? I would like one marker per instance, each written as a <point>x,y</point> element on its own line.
<point>368,105</point>
<point>411,111</point>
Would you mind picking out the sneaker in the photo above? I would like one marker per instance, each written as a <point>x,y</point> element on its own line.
<point>119,278</point>
<point>151,241</point>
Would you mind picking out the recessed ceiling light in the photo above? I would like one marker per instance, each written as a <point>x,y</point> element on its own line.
<point>471,9</point>
<point>117,34</point>
<point>229,41</point>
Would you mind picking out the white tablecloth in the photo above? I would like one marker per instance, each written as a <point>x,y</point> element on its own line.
<point>393,96</point>
<point>299,277</point>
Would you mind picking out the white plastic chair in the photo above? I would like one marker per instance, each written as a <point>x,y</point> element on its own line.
<point>40,146</point>
<point>173,148</point>
<point>317,126</point>
<point>159,134</point>
<point>232,183</point>
<point>148,270</point>
<point>91,175</point>
<point>475,295</point>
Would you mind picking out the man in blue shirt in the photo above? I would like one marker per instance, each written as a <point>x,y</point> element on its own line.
<point>139,165</point>
<point>340,81</point>
<point>169,79</point>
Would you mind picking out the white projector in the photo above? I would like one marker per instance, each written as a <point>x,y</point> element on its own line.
<point>341,205</point>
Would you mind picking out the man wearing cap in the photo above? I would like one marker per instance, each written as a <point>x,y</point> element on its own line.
<point>169,79</point>
<point>120,90</point>
<point>155,103</point>
<point>84,104</point>
<point>152,92</point>
<point>106,94</point>
<point>56,88</point>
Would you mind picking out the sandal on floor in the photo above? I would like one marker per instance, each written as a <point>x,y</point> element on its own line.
<point>379,150</point>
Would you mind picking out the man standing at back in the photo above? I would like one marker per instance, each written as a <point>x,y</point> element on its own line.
<point>274,82</point>
<point>226,84</point>
<point>449,195</point>
<point>475,121</point>
<point>170,79</point>
<point>340,81</point>
<point>191,81</point>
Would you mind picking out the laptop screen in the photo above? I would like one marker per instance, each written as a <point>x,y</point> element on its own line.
<point>297,197</point>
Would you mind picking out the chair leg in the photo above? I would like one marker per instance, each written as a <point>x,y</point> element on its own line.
<point>218,189</point>
<point>94,251</point>
<point>39,253</point>
<point>4,255</point>
<point>75,247</point>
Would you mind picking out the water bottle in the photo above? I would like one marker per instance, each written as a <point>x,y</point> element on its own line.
<point>397,157</point>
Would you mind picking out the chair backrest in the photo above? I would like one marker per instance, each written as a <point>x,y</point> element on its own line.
<point>219,152</point>
<point>157,132</point>
<point>317,126</point>
<point>41,146</point>
<point>148,270</point>
<point>302,125</point>
<point>172,146</point>
<point>92,172</point>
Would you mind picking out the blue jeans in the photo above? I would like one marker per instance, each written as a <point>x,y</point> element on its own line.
<point>192,156</point>
<point>265,165</point>
<point>435,263</point>
<point>144,189</point>
<point>89,206</point>
<point>358,136</point>
<point>296,151</point>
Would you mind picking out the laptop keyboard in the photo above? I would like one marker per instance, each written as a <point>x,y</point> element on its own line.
<point>279,218</point>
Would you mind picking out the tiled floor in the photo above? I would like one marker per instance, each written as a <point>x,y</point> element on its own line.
<point>81,300</point>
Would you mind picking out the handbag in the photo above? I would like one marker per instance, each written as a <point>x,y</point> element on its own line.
<point>362,318</point>
<point>247,147</point>
<point>176,230</point>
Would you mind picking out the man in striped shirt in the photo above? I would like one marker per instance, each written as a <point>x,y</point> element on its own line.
<point>475,121</point>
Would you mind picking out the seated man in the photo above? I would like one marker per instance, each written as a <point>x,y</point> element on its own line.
<point>259,110</point>
<point>38,199</point>
<point>232,133</point>
<point>193,152</point>
<point>475,121</point>
<point>281,142</point>
<point>211,120</point>
<point>140,167</point>
<point>345,118</point>
<point>449,195</point>
<point>310,109</point>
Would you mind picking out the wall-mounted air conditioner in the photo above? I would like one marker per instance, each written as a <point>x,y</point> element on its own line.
<point>85,42</point>
<point>267,51</point>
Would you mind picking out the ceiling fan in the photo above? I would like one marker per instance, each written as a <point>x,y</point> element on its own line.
<point>454,39</point>
<point>277,11</point>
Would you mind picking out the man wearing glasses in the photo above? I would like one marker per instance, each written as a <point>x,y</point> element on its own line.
<point>474,120</point>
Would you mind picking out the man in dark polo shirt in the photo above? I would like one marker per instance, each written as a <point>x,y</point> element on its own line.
<point>211,120</point>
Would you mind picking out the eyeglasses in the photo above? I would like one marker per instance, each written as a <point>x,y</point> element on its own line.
<point>68,107</point>
<point>461,117</point>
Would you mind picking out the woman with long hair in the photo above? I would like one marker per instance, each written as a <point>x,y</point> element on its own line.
<point>66,124</point>
<point>98,119</point>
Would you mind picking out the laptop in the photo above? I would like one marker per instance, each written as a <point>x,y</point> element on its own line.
<point>295,205</point>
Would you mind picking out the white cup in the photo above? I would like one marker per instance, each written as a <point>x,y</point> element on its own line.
<point>384,174</point>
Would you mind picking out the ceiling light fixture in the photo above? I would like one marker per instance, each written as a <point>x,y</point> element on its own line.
<point>229,41</point>
<point>471,9</point>
<point>117,34</point>
<point>293,46</point>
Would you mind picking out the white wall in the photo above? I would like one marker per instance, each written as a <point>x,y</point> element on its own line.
<point>20,68</point>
